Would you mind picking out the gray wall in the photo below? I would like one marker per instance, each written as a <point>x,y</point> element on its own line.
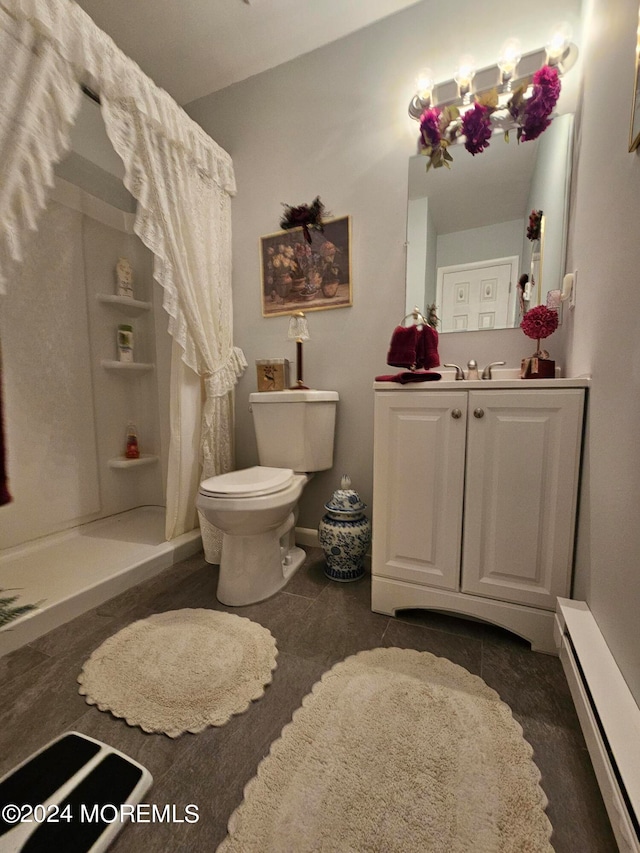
<point>548,193</point>
<point>334,123</point>
<point>603,332</point>
<point>480,244</point>
<point>421,237</point>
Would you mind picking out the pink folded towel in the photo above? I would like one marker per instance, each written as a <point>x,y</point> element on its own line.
<point>402,349</point>
<point>409,376</point>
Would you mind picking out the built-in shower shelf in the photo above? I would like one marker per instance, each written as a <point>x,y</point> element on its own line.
<point>126,365</point>
<point>123,462</point>
<point>124,303</point>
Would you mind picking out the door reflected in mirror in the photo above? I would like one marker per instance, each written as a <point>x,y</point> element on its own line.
<point>467,245</point>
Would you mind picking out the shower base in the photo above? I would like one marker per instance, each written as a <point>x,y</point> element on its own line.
<point>68,573</point>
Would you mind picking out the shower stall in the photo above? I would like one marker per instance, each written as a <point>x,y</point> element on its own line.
<point>85,522</point>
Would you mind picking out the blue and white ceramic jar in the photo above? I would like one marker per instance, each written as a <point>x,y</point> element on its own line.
<point>345,534</point>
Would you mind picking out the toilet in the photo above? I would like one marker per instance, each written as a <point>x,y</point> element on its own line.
<point>256,508</point>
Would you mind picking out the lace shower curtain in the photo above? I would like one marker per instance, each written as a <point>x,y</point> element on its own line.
<point>184,217</point>
<point>181,179</point>
<point>39,101</point>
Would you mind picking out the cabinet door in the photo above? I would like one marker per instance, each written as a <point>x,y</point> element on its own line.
<point>418,486</point>
<point>523,454</point>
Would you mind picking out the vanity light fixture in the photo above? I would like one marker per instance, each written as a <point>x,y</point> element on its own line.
<point>512,69</point>
<point>298,332</point>
<point>501,102</point>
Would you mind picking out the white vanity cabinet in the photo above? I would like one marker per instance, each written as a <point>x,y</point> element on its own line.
<point>474,504</point>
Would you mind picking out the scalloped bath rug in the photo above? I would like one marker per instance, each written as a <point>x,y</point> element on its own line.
<point>180,671</point>
<point>395,750</point>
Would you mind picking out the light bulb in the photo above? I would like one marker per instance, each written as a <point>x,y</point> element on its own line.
<point>510,55</point>
<point>424,85</point>
<point>464,76</point>
<point>558,43</point>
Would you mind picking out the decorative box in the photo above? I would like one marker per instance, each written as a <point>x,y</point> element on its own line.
<point>537,368</point>
<point>273,374</point>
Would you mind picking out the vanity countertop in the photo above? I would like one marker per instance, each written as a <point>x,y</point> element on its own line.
<point>483,384</point>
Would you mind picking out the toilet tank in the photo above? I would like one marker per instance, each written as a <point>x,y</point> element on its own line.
<point>295,429</point>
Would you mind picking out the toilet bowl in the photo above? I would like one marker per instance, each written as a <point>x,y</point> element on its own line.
<point>256,508</point>
<point>259,554</point>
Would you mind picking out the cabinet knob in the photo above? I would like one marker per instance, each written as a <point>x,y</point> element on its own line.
<point>478,413</point>
<point>456,413</point>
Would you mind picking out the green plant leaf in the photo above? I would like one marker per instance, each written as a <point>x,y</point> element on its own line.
<point>9,612</point>
<point>488,99</point>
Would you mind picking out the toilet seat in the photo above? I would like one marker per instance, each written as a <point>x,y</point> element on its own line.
<point>248,482</point>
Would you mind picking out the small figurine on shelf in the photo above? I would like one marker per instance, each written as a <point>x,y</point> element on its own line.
<point>125,342</point>
<point>124,278</point>
<point>132,449</point>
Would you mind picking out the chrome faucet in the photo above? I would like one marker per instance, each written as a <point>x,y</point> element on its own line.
<point>472,369</point>
<point>486,373</point>
<point>458,370</point>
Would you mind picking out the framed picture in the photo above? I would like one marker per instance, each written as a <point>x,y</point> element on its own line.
<point>634,134</point>
<point>298,275</point>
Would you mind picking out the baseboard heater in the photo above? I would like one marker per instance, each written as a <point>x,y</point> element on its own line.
<point>608,714</point>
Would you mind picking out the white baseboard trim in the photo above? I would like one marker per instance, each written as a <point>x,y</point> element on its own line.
<point>608,714</point>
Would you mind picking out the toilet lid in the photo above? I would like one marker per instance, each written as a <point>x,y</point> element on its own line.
<point>248,482</point>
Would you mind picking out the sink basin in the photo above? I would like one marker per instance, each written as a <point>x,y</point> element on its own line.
<point>498,374</point>
<point>504,373</point>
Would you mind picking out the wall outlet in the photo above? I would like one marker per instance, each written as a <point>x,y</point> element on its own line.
<point>572,298</point>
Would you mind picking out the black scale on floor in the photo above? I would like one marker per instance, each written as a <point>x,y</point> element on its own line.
<point>55,799</point>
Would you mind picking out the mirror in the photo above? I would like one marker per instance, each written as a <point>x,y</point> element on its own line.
<point>467,245</point>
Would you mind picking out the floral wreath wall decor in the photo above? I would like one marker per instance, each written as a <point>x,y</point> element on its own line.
<point>526,112</point>
<point>305,216</point>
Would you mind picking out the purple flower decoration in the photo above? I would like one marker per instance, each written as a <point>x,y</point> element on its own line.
<point>476,127</point>
<point>430,136</point>
<point>546,91</point>
<point>534,227</point>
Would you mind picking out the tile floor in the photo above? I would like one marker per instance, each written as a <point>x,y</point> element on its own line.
<point>316,623</point>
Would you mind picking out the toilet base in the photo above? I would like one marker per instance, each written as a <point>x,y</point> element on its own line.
<point>255,567</point>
